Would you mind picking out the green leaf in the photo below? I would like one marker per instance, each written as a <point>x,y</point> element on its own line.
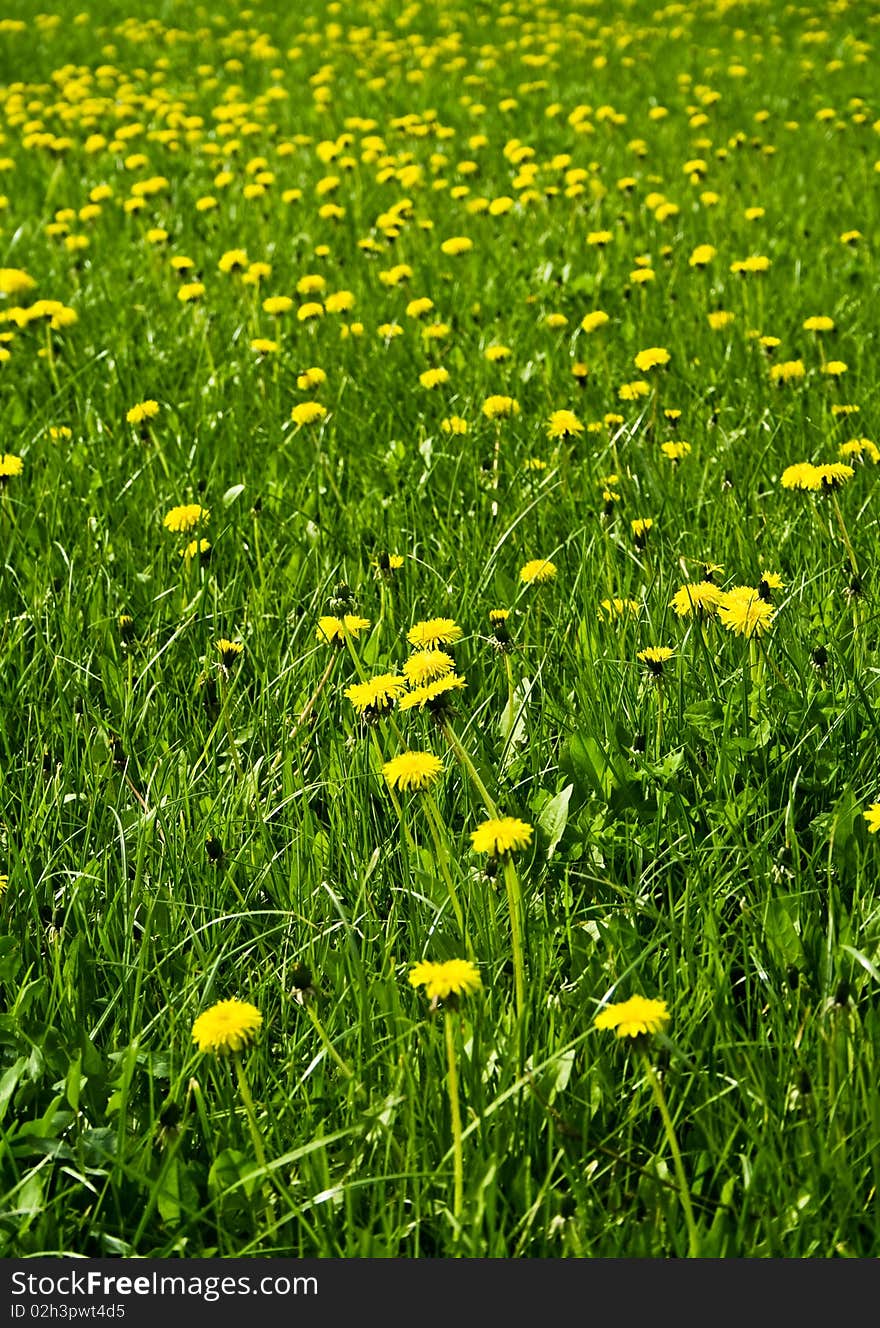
<point>781,932</point>
<point>554,818</point>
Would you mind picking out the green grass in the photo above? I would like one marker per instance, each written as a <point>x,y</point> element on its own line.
<point>719,860</point>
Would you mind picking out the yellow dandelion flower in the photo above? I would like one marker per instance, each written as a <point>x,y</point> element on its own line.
<point>412,770</point>
<point>500,407</point>
<point>144,410</point>
<point>537,571</point>
<point>433,632</point>
<point>229,1026</point>
<point>655,357</point>
<point>872,816</point>
<point>426,665</point>
<point>501,835</point>
<point>308,412</point>
<point>10,465</point>
<point>377,694</point>
<point>634,1018</point>
<point>700,598</point>
<point>743,611</point>
<point>455,245</point>
<point>655,657</point>
<point>454,977</point>
<point>563,424</point>
<point>184,518</point>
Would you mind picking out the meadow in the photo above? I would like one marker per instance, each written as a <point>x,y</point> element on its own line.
<point>438,629</point>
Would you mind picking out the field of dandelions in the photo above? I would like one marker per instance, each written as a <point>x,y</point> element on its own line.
<point>439,629</point>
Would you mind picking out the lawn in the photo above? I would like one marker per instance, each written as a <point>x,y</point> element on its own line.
<point>438,629</point>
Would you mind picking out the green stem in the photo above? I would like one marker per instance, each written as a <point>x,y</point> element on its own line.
<point>846,539</point>
<point>224,705</point>
<point>310,704</point>
<point>328,1045</point>
<point>244,1090</point>
<point>514,901</point>
<point>683,1189</point>
<point>469,767</point>
<point>455,1113</point>
<point>437,829</point>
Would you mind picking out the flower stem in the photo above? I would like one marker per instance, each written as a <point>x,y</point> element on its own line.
<point>437,829</point>
<point>328,1045</point>
<point>455,1114</point>
<point>224,705</point>
<point>244,1090</point>
<point>683,1189</point>
<point>469,767</point>
<point>846,539</point>
<point>514,902</point>
<point>312,701</point>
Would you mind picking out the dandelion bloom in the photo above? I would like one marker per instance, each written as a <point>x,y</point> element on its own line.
<point>816,479</point>
<point>277,304</point>
<point>419,306</point>
<point>184,518</point>
<point>15,281</point>
<point>802,475</point>
<point>593,321</point>
<point>500,407</point>
<point>696,598</point>
<point>788,371</point>
<point>563,424</point>
<point>377,694</point>
<point>308,412</point>
<point>264,346</point>
<point>193,290</point>
<point>872,816</point>
<point>655,357</point>
<point>434,632</point>
<point>144,410</point>
<point>412,770</point>
<point>195,549</point>
<point>719,319</point>
<point>537,571</point>
<point>455,977</point>
<point>426,665</point>
<point>335,630</point>
<point>702,255</point>
<point>835,368</point>
<point>454,424</point>
<point>755,263</point>
<point>501,835</point>
<point>434,377</point>
<point>311,309</point>
<point>743,611</point>
<point>818,323</point>
<point>633,1018</point>
<point>230,651</point>
<point>339,302</point>
<point>311,284</point>
<point>434,695</point>
<point>234,260</point>
<point>655,657</point>
<point>617,607</point>
<point>675,451</point>
<point>10,465</point>
<point>310,379</point>
<point>634,391</point>
<point>457,244</point>
<point>860,448</point>
<point>227,1026</point>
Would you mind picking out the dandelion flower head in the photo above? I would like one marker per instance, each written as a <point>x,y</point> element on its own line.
<point>229,1026</point>
<point>633,1018</point>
